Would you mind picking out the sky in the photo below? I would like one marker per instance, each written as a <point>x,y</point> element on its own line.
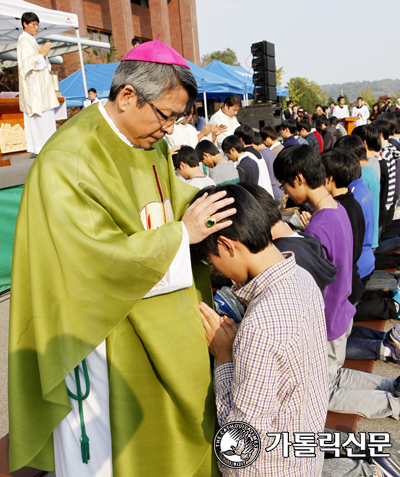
<point>326,42</point>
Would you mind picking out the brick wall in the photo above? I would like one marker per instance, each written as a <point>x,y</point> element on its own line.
<point>174,20</point>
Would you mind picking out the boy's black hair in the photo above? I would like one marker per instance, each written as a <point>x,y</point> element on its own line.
<point>342,165</point>
<point>304,124</point>
<point>320,120</point>
<point>359,98</point>
<point>200,111</point>
<point>396,114</point>
<point>289,124</point>
<point>333,121</point>
<point>137,40</point>
<point>232,99</point>
<point>187,155</point>
<point>304,160</point>
<point>245,132</point>
<point>250,224</point>
<point>354,144</point>
<point>318,106</point>
<point>384,127</point>
<point>324,109</point>
<point>206,146</point>
<point>190,108</point>
<point>232,142</point>
<point>370,135</point>
<point>29,17</point>
<point>93,90</point>
<point>390,118</point>
<point>257,139</point>
<point>269,131</point>
<point>339,98</point>
<point>266,201</point>
<point>289,102</point>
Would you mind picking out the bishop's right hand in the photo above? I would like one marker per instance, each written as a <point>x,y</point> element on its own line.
<point>203,208</point>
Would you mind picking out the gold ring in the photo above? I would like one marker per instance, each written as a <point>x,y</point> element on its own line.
<point>210,221</point>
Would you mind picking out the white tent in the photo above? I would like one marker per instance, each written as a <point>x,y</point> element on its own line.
<point>52,22</point>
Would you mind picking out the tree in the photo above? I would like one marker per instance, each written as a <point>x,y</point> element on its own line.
<point>330,100</point>
<point>227,56</point>
<point>306,93</point>
<point>279,73</point>
<point>367,95</point>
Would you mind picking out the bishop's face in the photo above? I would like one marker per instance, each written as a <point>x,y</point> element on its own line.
<point>145,126</point>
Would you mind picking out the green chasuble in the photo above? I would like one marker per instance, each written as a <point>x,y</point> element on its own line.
<point>98,227</point>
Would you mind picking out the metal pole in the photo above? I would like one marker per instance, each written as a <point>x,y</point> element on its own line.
<point>205,106</point>
<point>82,65</point>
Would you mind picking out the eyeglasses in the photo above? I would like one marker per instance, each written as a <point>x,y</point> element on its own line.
<point>282,186</point>
<point>168,120</point>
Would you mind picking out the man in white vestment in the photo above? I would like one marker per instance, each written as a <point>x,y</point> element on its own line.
<point>226,116</point>
<point>185,134</point>
<point>92,98</point>
<point>341,111</point>
<point>360,110</point>
<point>37,96</point>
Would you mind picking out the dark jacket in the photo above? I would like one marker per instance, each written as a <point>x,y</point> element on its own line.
<point>254,151</point>
<point>312,141</point>
<point>330,137</point>
<point>357,221</point>
<point>290,141</point>
<point>309,255</point>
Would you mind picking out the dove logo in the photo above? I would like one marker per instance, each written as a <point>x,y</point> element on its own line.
<point>237,445</point>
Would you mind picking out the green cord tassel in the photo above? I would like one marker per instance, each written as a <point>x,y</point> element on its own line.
<point>85,451</point>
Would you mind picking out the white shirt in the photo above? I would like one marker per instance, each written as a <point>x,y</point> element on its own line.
<point>263,175</point>
<point>201,182</point>
<point>221,118</point>
<point>364,114</point>
<point>89,102</point>
<point>183,135</point>
<point>341,112</point>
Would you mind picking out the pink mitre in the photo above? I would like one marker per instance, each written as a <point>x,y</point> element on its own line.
<point>156,52</point>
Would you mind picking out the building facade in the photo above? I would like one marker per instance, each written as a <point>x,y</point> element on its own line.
<point>118,21</point>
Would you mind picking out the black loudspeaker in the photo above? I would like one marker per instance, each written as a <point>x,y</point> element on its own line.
<point>264,67</point>
<point>259,115</point>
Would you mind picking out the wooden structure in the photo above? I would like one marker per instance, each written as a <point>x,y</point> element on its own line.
<point>10,114</point>
<point>350,124</point>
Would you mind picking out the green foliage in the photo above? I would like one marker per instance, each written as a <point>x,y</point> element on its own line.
<point>330,100</point>
<point>368,96</point>
<point>305,93</point>
<point>346,99</point>
<point>227,56</point>
<point>279,73</point>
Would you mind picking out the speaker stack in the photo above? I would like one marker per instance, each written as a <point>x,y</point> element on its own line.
<point>264,71</point>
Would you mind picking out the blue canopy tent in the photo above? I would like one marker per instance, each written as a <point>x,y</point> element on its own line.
<point>97,76</point>
<point>239,73</point>
<point>100,77</point>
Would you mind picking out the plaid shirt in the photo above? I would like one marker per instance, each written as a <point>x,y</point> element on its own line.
<point>278,381</point>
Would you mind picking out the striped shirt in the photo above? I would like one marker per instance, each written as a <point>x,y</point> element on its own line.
<point>278,381</point>
<point>390,154</point>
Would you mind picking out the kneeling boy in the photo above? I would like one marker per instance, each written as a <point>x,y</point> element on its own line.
<point>272,372</point>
